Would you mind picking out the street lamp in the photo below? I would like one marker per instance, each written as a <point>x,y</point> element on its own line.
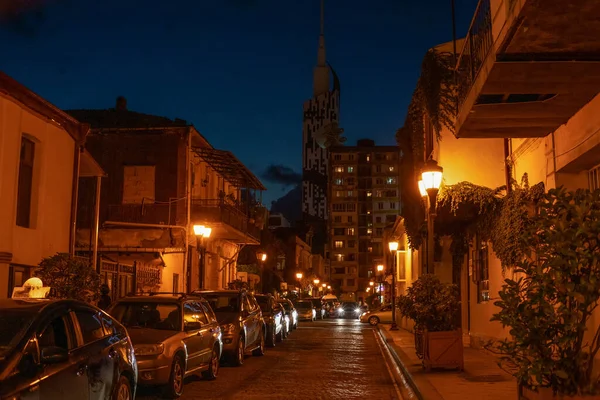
<point>202,233</point>
<point>432,179</point>
<point>422,189</point>
<point>380,274</point>
<point>299,277</point>
<point>316,282</point>
<point>393,249</point>
<point>371,283</point>
<point>261,257</point>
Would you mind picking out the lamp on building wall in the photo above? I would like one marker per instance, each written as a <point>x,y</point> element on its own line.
<point>432,179</point>
<point>393,246</point>
<point>202,233</point>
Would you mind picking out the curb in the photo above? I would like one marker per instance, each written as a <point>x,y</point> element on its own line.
<point>388,339</point>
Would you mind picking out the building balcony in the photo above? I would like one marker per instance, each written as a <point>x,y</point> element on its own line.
<point>228,222</point>
<point>162,214</point>
<point>526,66</point>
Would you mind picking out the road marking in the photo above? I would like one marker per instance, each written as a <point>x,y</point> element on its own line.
<point>387,365</point>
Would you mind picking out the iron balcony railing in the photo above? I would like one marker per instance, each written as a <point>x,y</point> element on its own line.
<point>219,210</point>
<point>143,213</point>
<point>477,45</point>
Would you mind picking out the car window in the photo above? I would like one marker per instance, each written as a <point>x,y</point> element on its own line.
<point>108,323</point>
<point>248,304</point>
<point>193,312</point>
<point>90,325</point>
<point>154,315</point>
<point>265,303</point>
<point>13,324</point>
<point>208,311</point>
<point>56,334</point>
<point>223,302</point>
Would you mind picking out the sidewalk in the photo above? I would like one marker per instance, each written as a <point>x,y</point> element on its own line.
<point>482,378</point>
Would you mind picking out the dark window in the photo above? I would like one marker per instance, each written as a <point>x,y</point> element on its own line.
<point>24,191</point>
<point>209,312</point>
<point>55,334</point>
<point>17,275</point>
<point>91,326</point>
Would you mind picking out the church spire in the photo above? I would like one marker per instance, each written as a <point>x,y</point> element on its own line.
<point>321,71</point>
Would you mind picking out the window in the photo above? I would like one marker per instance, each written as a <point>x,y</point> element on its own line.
<point>368,158</point>
<point>350,169</point>
<point>391,180</point>
<point>351,244</point>
<point>338,207</point>
<point>337,157</point>
<point>56,334</point>
<point>379,181</point>
<point>594,178</point>
<point>339,169</point>
<point>339,244</point>
<point>339,181</point>
<point>338,231</point>
<point>25,184</point>
<point>393,205</point>
<point>350,231</point>
<point>337,218</point>
<point>369,194</point>
<point>208,311</point>
<point>350,207</point>
<point>378,168</point>
<point>378,193</point>
<point>175,283</point>
<point>339,257</point>
<point>391,168</point>
<point>138,184</point>
<point>17,275</point>
<point>349,218</point>
<point>193,312</point>
<point>350,193</point>
<point>350,282</point>
<point>91,326</point>
<point>369,231</point>
<point>380,206</point>
<point>339,193</point>
<point>350,181</point>
<point>351,157</point>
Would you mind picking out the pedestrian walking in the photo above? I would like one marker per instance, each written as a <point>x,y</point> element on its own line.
<point>105,299</point>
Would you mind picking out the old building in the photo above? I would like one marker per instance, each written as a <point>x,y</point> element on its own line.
<point>164,181</point>
<point>41,160</point>
<point>364,198</point>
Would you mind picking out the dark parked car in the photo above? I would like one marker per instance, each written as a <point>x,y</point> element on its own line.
<point>273,318</point>
<point>241,321</point>
<point>53,349</point>
<point>174,336</point>
<point>290,312</point>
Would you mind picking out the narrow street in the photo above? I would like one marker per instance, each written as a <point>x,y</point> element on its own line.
<point>330,359</point>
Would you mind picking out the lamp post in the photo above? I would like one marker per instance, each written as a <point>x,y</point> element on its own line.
<point>393,249</point>
<point>432,179</point>
<point>316,282</point>
<point>299,277</point>
<point>202,233</point>
<point>380,276</point>
<point>261,257</point>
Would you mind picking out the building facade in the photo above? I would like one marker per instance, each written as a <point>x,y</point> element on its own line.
<point>164,178</point>
<point>41,160</point>
<point>365,198</point>
<point>320,112</point>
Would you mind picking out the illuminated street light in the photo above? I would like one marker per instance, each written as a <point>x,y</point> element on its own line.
<point>422,188</point>
<point>371,283</point>
<point>261,256</point>
<point>299,275</point>
<point>316,281</point>
<point>432,179</point>
<point>328,287</point>
<point>393,248</point>
<point>202,231</point>
<point>432,175</point>
<point>324,285</point>
<point>380,268</point>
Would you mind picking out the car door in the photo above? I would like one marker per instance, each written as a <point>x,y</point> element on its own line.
<point>212,327</point>
<point>101,351</point>
<point>67,379</point>
<point>254,319</point>
<point>385,314</point>
<point>194,335</point>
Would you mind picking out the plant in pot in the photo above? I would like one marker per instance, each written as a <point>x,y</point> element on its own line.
<point>434,307</point>
<point>549,304</point>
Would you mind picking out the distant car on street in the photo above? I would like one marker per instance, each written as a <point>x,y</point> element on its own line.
<point>382,314</point>
<point>306,310</point>
<point>53,349</point>
<point>272,317</point>
<point>348,310</point>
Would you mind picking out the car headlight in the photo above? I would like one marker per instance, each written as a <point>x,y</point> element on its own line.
<point>357,310</point>
<point>228,328</point>
<point>340,311</point>
<point>149,349</point>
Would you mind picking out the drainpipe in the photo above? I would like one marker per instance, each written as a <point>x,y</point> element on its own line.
<point>186,257</point>
<point>74,196</point>
<point>96,226</point>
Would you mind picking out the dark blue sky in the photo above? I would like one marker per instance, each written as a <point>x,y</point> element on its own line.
<point>239,70</point>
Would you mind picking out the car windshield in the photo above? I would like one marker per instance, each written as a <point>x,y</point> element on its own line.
<point>223,302</point>
<point>263,302</point>
<point>152,315</point>
<point>13,323</point>
<point>304,305</point>
<point>348,306</point>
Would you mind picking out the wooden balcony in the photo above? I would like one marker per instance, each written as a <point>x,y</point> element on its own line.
<point>526,66</point>
<point>228,222</point>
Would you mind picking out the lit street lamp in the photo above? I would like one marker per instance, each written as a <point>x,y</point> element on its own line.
<point>380,274</point>
<point>432,179</point>
<point>299,277</point>
<point>371,283</point>
<point>393,249</point>
<point>202,233</point>
<point>261,257</point>
<point>316,282</point>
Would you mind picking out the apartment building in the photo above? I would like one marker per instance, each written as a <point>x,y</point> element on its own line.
<point>364,198</point>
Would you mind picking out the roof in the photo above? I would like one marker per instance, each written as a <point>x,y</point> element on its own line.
<point>232,169</point>
<point>43,107</point>
<point>124,119</point>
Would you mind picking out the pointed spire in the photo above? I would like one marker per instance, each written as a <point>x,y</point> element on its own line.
<point>321,71</point>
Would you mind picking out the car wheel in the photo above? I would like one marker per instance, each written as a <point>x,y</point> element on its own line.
<point>261,349</point>
<point>123,390</point>
<point>239,354</point>
<point>175,385</point>
<point>373,320</point>
<point>213,367</point>
<point>271,339</point>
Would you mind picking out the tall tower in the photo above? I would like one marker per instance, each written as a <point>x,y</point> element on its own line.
<point>319,112</point>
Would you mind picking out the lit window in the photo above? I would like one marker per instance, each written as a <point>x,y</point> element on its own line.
<point>339,181</point>
<point>368,158</point>
<point>350,231</point>
<point>339,244</point>
<point>369,194</point>
<point>369,231</point>
<point>339,169</point>
<point>391,168</point>
<point>350,169</point>
<point>350,193</point>
<point>391,181</point>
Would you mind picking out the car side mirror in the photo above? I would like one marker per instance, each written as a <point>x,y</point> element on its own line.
<point>193,326</point>
<point>54,355</point>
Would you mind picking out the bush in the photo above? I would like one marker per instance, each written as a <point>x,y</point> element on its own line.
<point>549,304</point>
<point>431,304</point>
<point>69,278</point>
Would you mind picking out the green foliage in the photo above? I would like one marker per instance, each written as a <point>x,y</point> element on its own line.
<point>549,304</point>
<point>431,304</point>
<point>69,278</point>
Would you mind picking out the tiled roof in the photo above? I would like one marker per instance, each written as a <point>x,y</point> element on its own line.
<point>113,118</point>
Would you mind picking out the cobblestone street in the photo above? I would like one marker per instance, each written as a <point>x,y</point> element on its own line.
<point>330,359</point>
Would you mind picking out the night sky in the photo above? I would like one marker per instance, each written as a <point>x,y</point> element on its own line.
<point>239,70</point>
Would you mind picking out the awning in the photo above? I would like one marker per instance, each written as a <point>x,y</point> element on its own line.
<point>228,166</point>
<point>89,167</point>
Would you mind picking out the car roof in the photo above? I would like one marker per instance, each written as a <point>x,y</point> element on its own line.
<point>162,298</point>
<point>224,291</point>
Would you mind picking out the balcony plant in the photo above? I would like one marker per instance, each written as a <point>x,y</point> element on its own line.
<point>549,305</point>
<point>434,306</point>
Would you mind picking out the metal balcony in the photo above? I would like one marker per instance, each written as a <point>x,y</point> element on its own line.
<point>228,222</point>
<point>143,213</point>
<point>526,66</point>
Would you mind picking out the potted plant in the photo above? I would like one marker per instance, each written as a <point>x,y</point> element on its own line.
<point>434,306</point>
<point>549,305</point>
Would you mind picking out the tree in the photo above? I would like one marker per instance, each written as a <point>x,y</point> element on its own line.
<point>69,278</point>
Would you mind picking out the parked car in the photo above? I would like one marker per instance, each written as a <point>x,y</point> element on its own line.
<point>318,305</point>
<point>306,310</point>
<point>241,321</point>
<point>290,312</point>
<point>51,349</point>
<point>174,336</point>
<point>272,317</point>
<point>382,314</point>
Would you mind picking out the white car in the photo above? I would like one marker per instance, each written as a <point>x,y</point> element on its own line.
<point>382,314</point>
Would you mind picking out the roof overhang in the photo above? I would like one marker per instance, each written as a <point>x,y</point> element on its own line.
<point>228,166</point>
<point>89,167</point>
